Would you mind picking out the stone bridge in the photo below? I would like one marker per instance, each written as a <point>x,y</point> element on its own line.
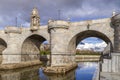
<point>18,44</point>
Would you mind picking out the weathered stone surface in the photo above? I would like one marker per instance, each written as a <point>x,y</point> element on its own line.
<point>19,65</point>
<point>64,41</point>
<point>11,29</point>
<point>63,36</point>
<point>58,24</point>
<point>59,69</point>
<point>14,41</point>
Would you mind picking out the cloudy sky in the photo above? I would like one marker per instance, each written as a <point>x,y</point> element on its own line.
<point>93,43</point>
<point>76,10</point>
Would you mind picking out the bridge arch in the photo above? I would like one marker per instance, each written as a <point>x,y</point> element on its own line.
<point>31,47</point>
<point>3,46</point>
<point>74,41</point>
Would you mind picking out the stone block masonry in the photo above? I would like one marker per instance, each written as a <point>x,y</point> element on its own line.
<point>19,44</point>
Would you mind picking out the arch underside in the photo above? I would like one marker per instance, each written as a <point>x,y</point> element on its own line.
<point>85,34</point>
<point>3,46</point>
<point>91,33</point>
<point>31,48</point>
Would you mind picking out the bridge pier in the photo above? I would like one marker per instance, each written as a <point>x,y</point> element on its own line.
<point>59,47</point>
<point>62,60</point>
<point>12,53</point>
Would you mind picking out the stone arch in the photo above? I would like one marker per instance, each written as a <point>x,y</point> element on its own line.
<point>31,47</point>
<point>74,41</point>
<point>3,46</point>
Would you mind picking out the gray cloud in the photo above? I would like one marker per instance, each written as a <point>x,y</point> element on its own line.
<point>75,9</point>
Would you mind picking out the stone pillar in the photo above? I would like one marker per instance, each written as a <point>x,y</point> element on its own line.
<point>58,39</point>
<point>115,20</point>
<point>12,54</point>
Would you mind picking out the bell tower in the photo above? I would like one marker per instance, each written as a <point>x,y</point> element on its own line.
<point>35,20</point>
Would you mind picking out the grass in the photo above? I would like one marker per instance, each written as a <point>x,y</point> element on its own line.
<point>78,52</point>
<point>87,52</point>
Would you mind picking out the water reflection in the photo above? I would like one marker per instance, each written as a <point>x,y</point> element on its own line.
<point>68,76</point>
<point>30,73</point>
<point>42,76</point>
<point>84,71</point>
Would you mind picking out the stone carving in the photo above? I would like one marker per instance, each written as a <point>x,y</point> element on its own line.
<point>35,20</point>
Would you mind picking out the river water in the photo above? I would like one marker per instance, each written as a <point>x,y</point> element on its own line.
<point>84,71</point>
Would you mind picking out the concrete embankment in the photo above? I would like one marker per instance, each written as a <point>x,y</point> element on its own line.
<point>96,75</point>
<point>109,76</point>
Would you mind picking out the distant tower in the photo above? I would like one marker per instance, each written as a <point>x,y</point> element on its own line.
<point>35,20</point>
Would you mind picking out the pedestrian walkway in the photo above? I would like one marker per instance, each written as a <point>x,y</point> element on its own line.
<point>109,76</point>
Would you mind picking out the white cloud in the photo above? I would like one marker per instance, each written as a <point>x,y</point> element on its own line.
<point>102,44</point>
<point>26,24</point>
<point>95,47</point>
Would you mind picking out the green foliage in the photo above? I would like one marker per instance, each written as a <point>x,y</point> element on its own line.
<point>45,49</point>
<point>43,52</point>
<point>86,52</point>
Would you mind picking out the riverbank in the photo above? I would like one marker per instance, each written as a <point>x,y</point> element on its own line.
<point>84,71</point>
<point>19,65</point>
<point>78,58</point>
<point>87,58</point>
